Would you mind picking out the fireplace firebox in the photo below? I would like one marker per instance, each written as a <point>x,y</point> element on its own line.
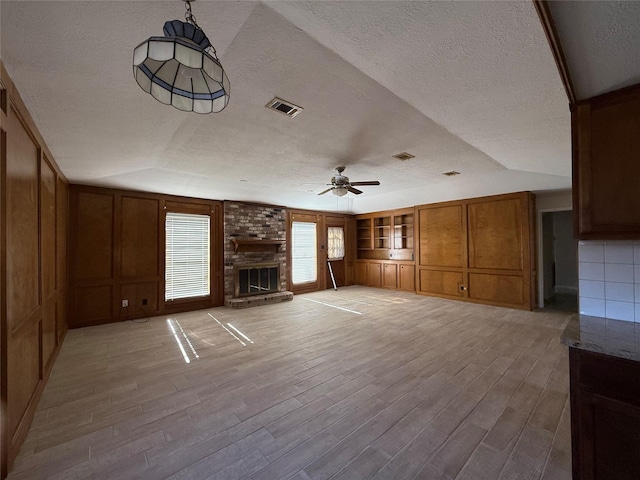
<point>256,279</point>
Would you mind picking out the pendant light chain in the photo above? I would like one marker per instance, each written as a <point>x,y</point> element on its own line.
<point>188,15</point>
<point>191,18</point>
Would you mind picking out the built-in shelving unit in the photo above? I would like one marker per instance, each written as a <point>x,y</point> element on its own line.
<point>385,249</point>
<point>403,231</point>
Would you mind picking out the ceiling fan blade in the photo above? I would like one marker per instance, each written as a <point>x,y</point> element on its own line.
<point>353,190</point>
<point>327,190</point>
<point>374,182</point>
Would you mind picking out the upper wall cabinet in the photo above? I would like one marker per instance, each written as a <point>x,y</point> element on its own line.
<point>478,250</point>
<point>606,165</point>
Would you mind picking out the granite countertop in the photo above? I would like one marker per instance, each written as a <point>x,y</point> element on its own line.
<point>602,335</point>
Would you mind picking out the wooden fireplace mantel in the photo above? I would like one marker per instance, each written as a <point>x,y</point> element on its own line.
<point>256,245</point>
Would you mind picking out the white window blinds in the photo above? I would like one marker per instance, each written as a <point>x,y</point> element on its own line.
<point>335,243</point>
<point>304,262</point>
<point>187,256</point>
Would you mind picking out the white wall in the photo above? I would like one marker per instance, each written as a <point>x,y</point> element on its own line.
<point>609,279</point>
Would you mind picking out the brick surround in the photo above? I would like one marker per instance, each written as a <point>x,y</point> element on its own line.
<point>249,221</point>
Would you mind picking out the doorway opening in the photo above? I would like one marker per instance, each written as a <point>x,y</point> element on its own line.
<point>559,262</point>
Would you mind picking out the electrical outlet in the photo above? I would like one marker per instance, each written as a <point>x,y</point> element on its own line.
<point>125,303</point>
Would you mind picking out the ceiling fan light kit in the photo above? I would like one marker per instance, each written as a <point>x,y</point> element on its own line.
<point>340,184</point>
<point>182,68</point>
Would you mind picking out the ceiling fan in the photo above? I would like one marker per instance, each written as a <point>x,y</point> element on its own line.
<point>340,184</point>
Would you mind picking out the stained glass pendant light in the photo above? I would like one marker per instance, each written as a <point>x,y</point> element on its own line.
<point>182,69</point>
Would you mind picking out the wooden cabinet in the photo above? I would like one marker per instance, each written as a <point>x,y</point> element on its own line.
<point>606,149</point>
<point>390,275</point>
<point>478,250</point>
<point>406,278</point>
<point>605,416</point>
<point>374,274</point>
<point>384,242</point>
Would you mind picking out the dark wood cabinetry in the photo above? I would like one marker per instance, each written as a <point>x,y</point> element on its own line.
<point>605,416</point>
<point>385,249</point>
<point>606,148</point>
<point>478,250</point>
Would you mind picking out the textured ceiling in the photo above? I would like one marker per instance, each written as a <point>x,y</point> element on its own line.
<point>600,40</point>
<point>465,86</point>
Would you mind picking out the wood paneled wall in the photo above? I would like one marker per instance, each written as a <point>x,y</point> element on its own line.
<point>117,247</point>
<point>479,250</point>
<point>33,270</point>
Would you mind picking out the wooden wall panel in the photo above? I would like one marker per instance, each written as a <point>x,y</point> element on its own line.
<point>33,287</point>
<point>498,289</point>
<point>441,282</point>
<point>49,330</point>
<point>128,240</point>
<point>93,252</point>
<point>48,228</point>
<point>140,222</point>
<point>495,234</point>
<point>93,305</point>
<point>489,243</point>
<point>142,295</point>
<point>23,374</point>
<point>62,227</point>
<point>22,214</point>
<point>441,236</point>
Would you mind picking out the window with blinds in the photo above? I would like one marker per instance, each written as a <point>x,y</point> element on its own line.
<point>304,261</point>
<point>187,256</point>
<point>335,243</point>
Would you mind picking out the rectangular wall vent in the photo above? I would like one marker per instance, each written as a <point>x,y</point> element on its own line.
<point>451,173</point>
<point>285,107</point>
<point>402,156</point>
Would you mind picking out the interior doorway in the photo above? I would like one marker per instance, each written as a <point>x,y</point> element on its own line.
<point>558,286</point>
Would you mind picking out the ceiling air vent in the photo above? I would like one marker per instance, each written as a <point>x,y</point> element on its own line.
<point>289,109</point>
<point>451,173</point>
<point>402,156</point>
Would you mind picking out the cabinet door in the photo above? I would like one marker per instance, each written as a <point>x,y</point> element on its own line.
<point>407,278</point>
<point>390,277</point>
<point>606,167</point>
<point>361,273</point>
<point>374,274</point>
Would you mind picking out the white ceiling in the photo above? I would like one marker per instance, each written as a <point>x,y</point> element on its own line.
<point>465,86</point>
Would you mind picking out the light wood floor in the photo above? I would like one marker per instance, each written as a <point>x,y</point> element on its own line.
<point>355,384</point>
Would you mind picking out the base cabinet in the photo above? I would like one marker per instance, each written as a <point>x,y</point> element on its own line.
<point>605,416</point>
<point>385,274</point>
<point>407,278</point>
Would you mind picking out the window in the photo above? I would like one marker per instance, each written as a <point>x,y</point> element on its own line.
<point>335,243</point>
<point>187,256</point>
<point>304,261</point>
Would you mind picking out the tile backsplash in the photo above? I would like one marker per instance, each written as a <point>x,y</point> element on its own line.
<point>609,279</point>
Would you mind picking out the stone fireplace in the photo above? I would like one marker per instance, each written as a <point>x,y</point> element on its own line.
<point>255,256</point>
